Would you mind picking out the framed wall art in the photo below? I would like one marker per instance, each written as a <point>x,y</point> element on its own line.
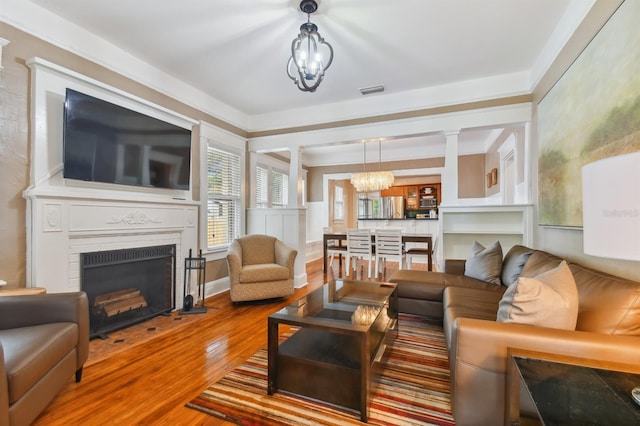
<point>591,113</point>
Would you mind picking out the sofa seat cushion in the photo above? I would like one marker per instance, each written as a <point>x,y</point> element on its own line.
<point>31,352</point>
<point>482,300</point>
<point>416,284</point>
<point>461,302</point>
<point>263,272</point>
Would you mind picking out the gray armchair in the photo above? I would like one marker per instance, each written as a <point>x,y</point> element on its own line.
<point>260,267</point>
<point>44,340</point>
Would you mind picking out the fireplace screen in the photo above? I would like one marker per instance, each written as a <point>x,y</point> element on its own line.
<point>128,286</point>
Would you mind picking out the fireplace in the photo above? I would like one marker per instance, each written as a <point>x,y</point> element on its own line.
<point>127,286</point>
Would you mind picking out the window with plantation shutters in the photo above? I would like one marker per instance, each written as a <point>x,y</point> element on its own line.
<point>223,197</point>
<point>280,189</point>
<point>272,188</point>
<point>338,203</point>
<point>262,187</point>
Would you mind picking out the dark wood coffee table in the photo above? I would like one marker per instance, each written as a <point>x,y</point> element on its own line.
<point>339,349</point>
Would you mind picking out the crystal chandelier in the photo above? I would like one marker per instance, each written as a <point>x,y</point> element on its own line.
<point>372,181</point>
<point>311,56</point>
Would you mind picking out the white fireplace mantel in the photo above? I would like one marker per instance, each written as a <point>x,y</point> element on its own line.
<point>62,227</point>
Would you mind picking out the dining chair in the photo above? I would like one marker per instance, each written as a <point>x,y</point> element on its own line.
<point>359,247</point>
<point>420,251</point>
<point>333,247</point>
<point>388,246</point>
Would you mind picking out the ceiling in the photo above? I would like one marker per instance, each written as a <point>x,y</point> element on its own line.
<point>236,51</point>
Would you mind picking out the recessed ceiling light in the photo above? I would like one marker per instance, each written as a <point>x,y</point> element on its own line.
<point>372,89</point>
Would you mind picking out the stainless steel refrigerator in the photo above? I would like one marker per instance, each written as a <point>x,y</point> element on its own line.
<point>393,207</point>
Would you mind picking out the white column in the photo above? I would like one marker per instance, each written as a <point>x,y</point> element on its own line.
<point>3,43</point>
<point>450,175</point>
<point>251,185</point>
<point>295,177</point>
<point>527,155</point>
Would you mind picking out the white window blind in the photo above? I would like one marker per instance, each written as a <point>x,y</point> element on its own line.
<point>280,189</point>
<point>262,187</point>
<point>223,197</point>
<point>272,188</point>
<point>338,203</point>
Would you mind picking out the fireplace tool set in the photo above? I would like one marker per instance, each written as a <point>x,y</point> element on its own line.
<point>196,265</point>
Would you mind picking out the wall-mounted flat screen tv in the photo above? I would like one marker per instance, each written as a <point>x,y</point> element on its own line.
<point>104,142</point>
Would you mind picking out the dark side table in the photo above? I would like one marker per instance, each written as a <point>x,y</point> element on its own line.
<point>571,391</point>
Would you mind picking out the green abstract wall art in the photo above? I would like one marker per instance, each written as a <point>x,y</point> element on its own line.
<point>591,113</point>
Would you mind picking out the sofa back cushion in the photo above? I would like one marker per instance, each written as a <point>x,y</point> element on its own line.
<point>539,262</point>
<point>607,304</point>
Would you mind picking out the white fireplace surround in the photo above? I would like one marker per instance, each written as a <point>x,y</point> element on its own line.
<point>66,218</point>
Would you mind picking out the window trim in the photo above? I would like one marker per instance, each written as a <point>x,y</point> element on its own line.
<point>270,164</point>
<point>223,140</point>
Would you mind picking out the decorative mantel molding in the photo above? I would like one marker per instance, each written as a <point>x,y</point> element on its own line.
<point>135,217</point>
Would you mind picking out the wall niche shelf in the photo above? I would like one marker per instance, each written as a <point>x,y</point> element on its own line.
<point>462,225</point>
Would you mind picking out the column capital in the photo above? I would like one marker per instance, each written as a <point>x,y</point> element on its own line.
<point>452,132</point>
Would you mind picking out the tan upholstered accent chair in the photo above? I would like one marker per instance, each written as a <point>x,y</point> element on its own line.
<point>260,267</point>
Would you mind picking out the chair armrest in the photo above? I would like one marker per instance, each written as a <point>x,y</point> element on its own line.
<point>4,391</point>
<point>234,261</point>
<point>38,309</point>
<point>285,256</point>
<point>454,266</point>
<point>479,359</point>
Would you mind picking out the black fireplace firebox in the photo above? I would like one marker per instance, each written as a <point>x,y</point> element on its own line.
<point>128,286</point>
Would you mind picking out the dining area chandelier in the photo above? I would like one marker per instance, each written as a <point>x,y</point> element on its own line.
<point>374,180</point>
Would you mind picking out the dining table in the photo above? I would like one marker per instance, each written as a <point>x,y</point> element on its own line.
<point>341,238</point>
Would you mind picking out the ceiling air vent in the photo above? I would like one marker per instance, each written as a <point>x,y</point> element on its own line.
<point>372,89</point>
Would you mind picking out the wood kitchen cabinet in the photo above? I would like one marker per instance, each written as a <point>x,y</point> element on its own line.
<point>427,192</point>
<point>411,197</point>
<point>393,191</point>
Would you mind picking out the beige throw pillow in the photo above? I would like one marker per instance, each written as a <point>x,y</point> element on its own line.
<point>547,300</point>
<point>484,264</point>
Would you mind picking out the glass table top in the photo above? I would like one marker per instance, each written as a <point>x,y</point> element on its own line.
<point>346,302</point>
<point>566,394</point>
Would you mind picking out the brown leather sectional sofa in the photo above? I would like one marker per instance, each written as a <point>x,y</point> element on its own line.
<point>608,328</point>
<point>44,340</point>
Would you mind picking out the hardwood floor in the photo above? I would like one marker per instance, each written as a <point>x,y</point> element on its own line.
<point>151,383</point>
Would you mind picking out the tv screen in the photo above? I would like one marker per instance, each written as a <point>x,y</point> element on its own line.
<point>104,142</point>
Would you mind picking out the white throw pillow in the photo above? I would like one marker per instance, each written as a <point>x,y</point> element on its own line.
<point>547,300</point>
<point>484,264</point>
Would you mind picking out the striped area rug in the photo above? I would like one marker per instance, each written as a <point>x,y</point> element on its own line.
<point>413,389</point>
